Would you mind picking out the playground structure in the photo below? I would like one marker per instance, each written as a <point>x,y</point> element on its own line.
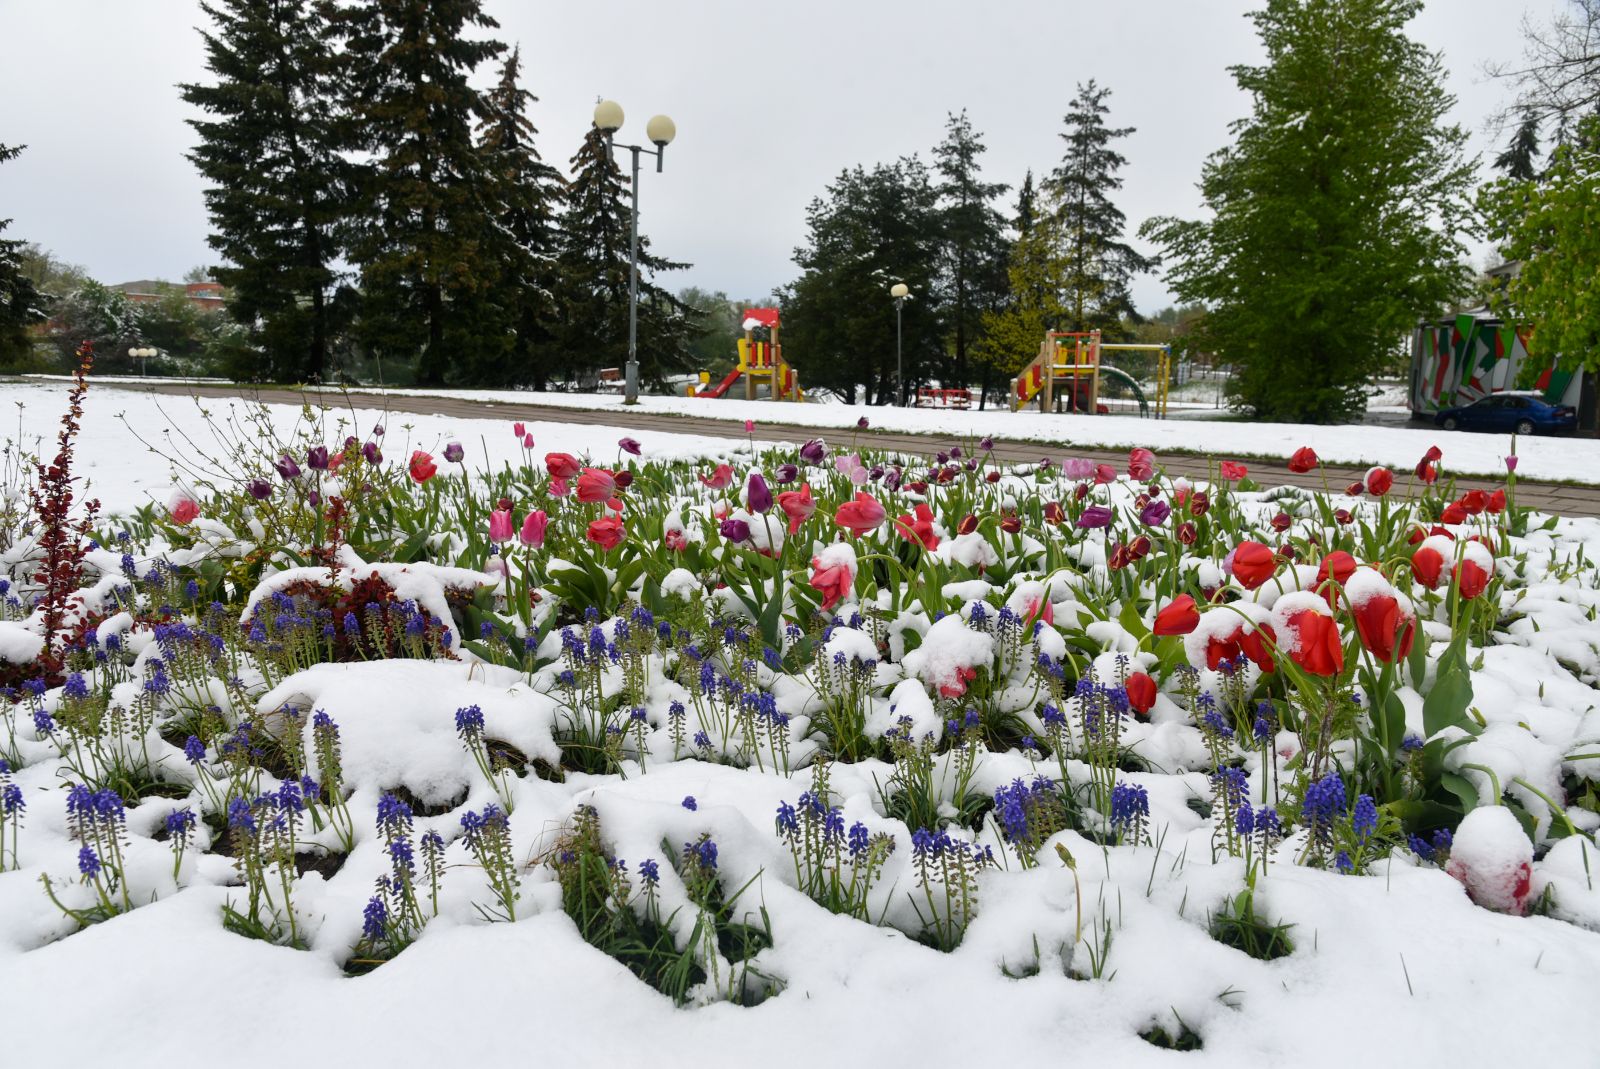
<point>1458,360</point>
<point>760,361</point>
<point>1069,369</point>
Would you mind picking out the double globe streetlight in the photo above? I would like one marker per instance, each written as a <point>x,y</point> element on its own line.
<point>660,130</point>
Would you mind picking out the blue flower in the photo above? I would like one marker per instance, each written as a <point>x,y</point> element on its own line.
<point>704,853</point>
<point>394,816</point>
<point>180,822</point>
<point>1130,802</point>
<point>689,803</point>
<point>788,821</point>
<point>1364,818</point>
<point>88,862</point>
<point>240,816</point>
<point>860,838</point>
<point>469,723</point>
<point>43,722</point>
<point>649,872</point>
<point>375,918</point>
<point>11,800</point>
<point>1324,800</point>
<point>76,686</point>
<point>702,741</point>
<point>1245,821</point>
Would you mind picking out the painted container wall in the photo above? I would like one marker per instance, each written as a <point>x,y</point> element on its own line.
<point>1456,361</point>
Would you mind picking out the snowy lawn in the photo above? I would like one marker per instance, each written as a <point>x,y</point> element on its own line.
<point>1556,458</point>
<point>707,753</point>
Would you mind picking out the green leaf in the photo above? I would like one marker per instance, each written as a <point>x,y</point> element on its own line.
<point>1446,703</point>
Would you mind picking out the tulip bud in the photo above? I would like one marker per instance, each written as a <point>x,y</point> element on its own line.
<point>1139,548</point>
<point>1011,523</point>
<point>968,524</point>
<point>1118,557</point>
<point>1282,522</point>
<point>1199,503</point>
<point>1187,533</point>
<point>1343,516</point>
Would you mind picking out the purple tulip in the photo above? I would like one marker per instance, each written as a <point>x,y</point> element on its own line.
<point>861,424</point>
<point>987,444</point>
<point>1155,513</point>
<point>971,463</point>
<point>786,473</point>
<point>1511,463</point>
<point>378,430</point>
<point>287,468</point>
<point>317,458</point>
<point>454,453</point>
<point>941,458</point>
<point>735,530</point>
<point>314,497</point>
<point>814,451</point>
<point>629,446</point>
<point>1094,516</point>
<point>259,489</point>
<point>372,453</point>
<point>891,479</point>
<point>875,472</point>
<point>955,452</point>
<point>756,494</point>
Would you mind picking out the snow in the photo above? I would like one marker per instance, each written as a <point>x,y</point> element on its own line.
<point>1493,858</point>
<point>1556,458</point>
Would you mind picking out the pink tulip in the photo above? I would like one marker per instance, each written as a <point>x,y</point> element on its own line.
<point>500,525</point>
<point>533,529</point>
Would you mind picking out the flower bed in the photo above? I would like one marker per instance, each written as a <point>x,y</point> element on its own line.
<point>748,734</point>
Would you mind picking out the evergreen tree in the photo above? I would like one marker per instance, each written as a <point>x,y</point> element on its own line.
<point>527,195</point>
<point>593,274</point>
<point>21,304</point>
<point>974,241</point>
<point>423,240</point>
<point>1336,214</point>
<point>1099,264</point>
<point>270,149</point>
<point>873,229</point>
<point>1517,161</point>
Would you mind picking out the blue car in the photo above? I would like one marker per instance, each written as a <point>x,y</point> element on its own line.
<point>1509,413</point>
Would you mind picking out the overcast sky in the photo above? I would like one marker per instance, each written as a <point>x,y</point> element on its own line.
<point>771,100</point>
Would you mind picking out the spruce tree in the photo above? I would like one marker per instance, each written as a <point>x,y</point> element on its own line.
<point>1336,215</point>
<point>1099,264</point>
<point>1517,161</point>
<point>422,239</point>
<point>21,304</point>
<point>270,151</point>
<point>593,270</point>
<point>974,241</point>
<point>527,196</point>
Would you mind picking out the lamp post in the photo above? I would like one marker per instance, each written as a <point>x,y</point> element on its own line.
<point>899,291</point>
<point>142,354</point>
<point>660,130</point>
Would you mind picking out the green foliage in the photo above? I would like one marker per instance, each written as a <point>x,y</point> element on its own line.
<point>21,303</point>
<point>1551,224</point>
<point>871,230</point>
<point>1337,214</point>
<point>277,184</point>
<point>974,245</point>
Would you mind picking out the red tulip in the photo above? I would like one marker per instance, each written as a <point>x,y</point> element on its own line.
<point>1474,501</point>
<point>183,509</point>
<point>1309,635</point>
<point>1053,513</point>
<point>1253,564</point>
<point>1427,563</point>
<point>797,505</point>
<point>1199,503</point>
<point>1187,533</point>
<point>422,467</point>
<point>1141,465</point>
<point>1385,626</point>
<point>720,478</point>
<point>596,485</point>
<point>833,580</point>
<point>1105,473</point>
<point>1282,522</point>
<point>1141,693</point>
<point>1497,503</point>
<point>920,527</point>
<point>1303,460</point>
<point>1140,547</point>
<point>561,465</point>
<point>1453,513</point>
<point>957,684</point>
<point>1179,617</point>
<point>1338,566</point>
<point>1343,517</point>
<point>861,516</point>
<point>1472,573</point>
<point>969,522</point>
<point>1233,471</point>
<point>607,533</point>
<point>1378,481</point>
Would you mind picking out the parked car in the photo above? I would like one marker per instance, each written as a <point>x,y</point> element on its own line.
<point>1522,413</point>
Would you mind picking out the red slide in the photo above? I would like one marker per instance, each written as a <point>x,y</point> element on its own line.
<point>722,387</point>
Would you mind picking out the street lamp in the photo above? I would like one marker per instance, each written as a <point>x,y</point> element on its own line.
<point>142,354</point>
<point>660,130</point>
<point>899,291</point>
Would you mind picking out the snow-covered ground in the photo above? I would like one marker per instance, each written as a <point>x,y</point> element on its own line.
<point>1395,968</point>
<point>1568,459</point>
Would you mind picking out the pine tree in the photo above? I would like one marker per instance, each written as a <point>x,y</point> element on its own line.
<point>1336,215</point>
<point>974,241</point>
<point>270,149</point>
<point>21,304</point>
<point>873,229</point>
<point>423,241</point>
<point>1517,161</point>
<point>527,196</point>
<point>1099,264</point>
<point>593,277</point>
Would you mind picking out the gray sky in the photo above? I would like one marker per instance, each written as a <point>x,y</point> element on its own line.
<point>771,101</point>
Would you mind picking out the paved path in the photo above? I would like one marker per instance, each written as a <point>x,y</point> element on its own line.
<point>1548,497</point>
